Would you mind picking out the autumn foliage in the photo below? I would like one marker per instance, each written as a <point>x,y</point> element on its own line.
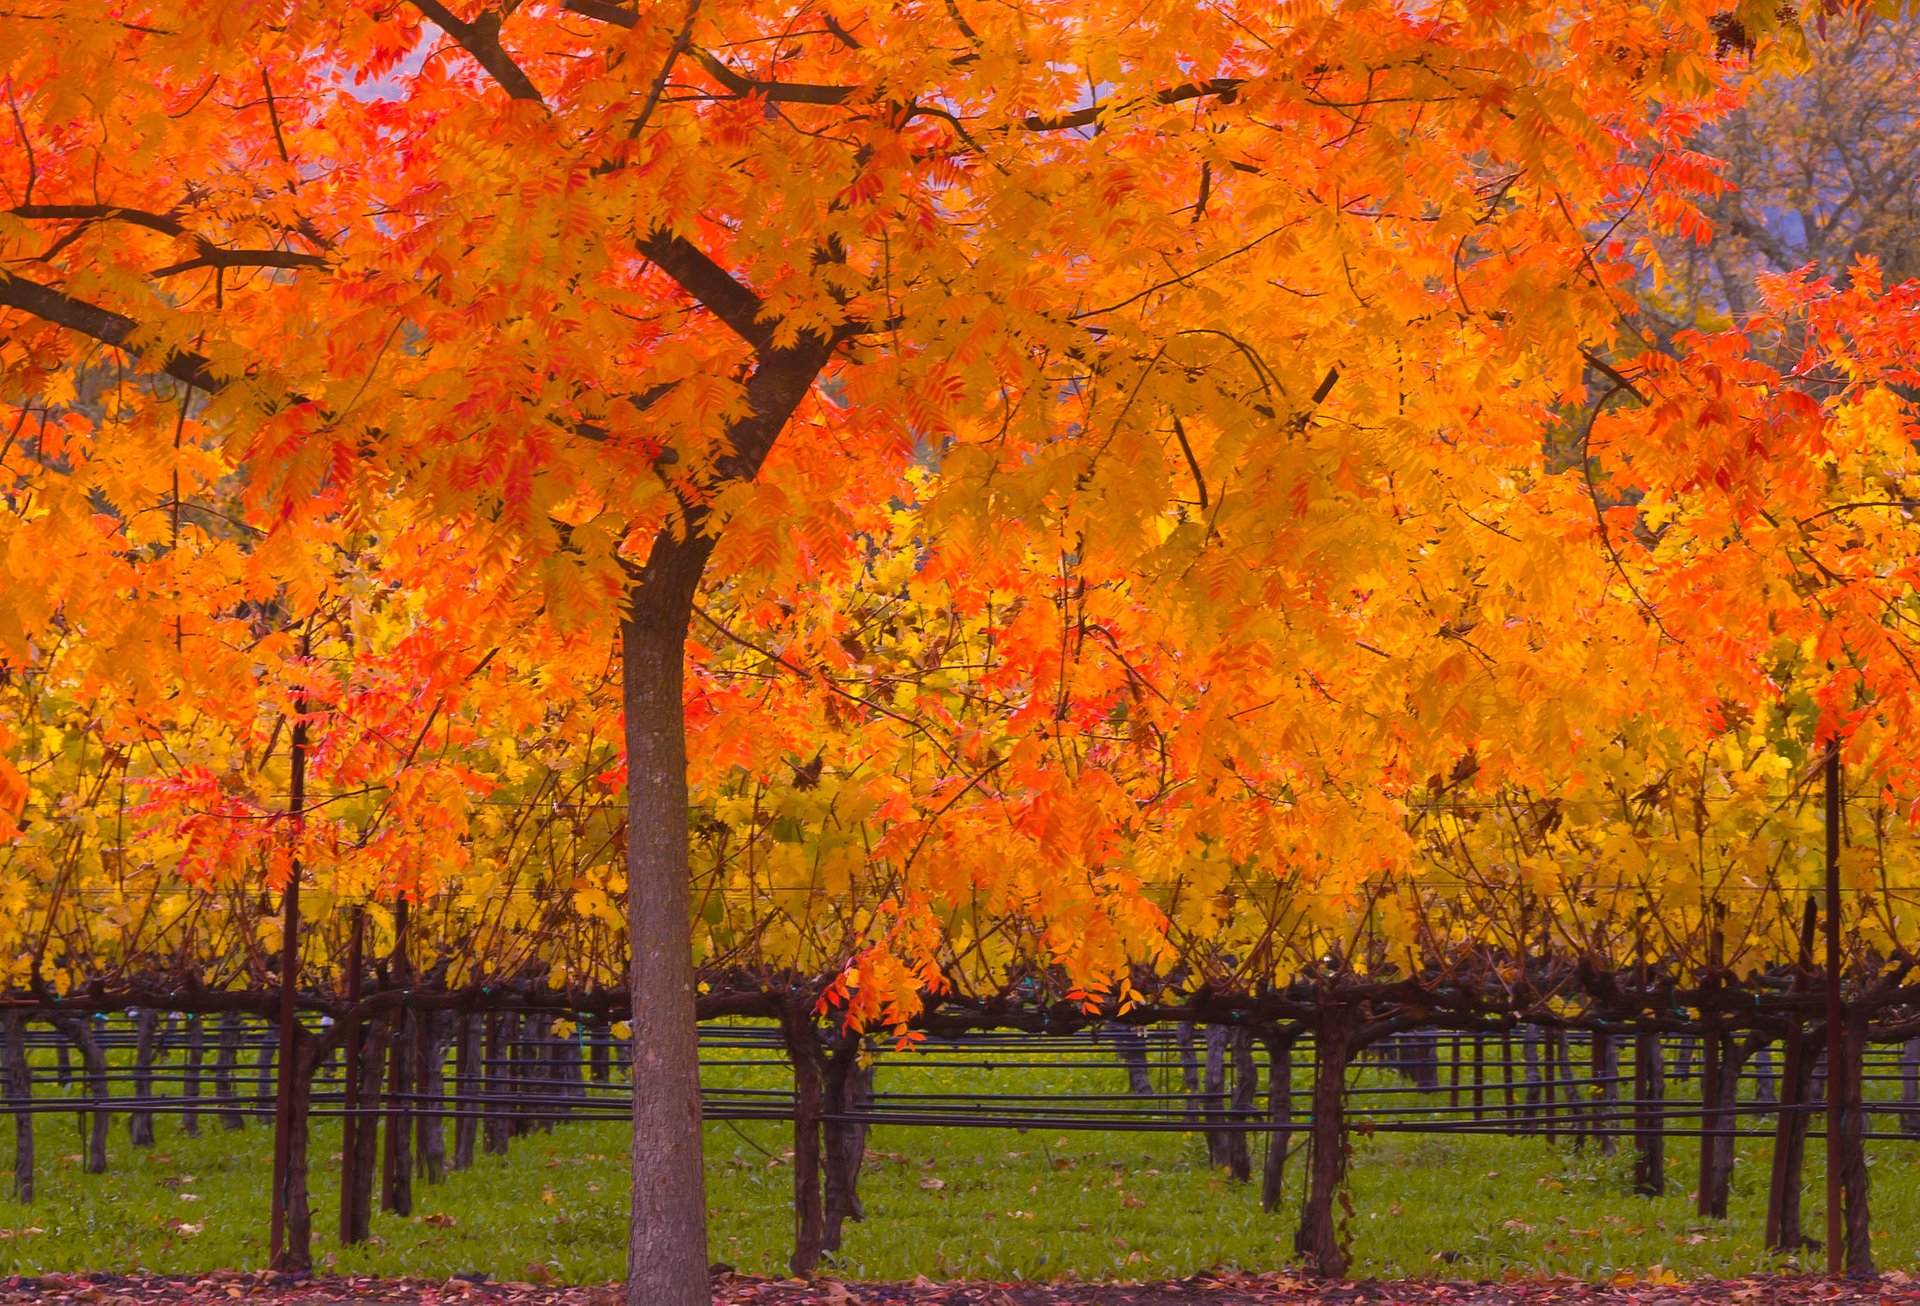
<point>1152,498</point>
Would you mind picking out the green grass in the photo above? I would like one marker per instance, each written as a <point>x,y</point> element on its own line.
<point>987,1203</point>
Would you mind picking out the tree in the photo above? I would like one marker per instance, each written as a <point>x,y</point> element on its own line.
<point>1229,304</point>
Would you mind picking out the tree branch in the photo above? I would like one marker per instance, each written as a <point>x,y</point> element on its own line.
<point>213,256</point>
<point>164,223</point>
<point>481,39</point>
<point>738,83</point>
<point>104,325</point>
<point>1222,88</point>
<point>711,284</point>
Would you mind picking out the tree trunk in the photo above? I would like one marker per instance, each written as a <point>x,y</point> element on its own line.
<point>297,1256</point>
<point>18,1074</point>
<point>809,1217</point>
<point>1850,1152</point>
<point>79,1032</point>
<point>1214,1094</point>
<point>266,1094</point>
<point>1189,1069</point>
<point>1649,1129</point>
<point>499,1068</point>
<point>849,1089</point>
<point>226,1061</point>
<point>1910,1087</point>
<point>466,1077</point>
<point>600,1045</point>
<point>667,1247</point>
<point>1530,1056</point>
<point>196,1040</point>
<point>1784,1233</point>
<point>1712,1048</point>
<point>1722,1119</point>
<point>1130,1045</point>
<point>396,1174</point>
<point>1273,1173</point>
<point>1606,1067</point>
<point>366,1139</point>
<point>1246,1080</point>
<point>1317,1238</point>
<point>1763,1078</point>
<point>140,1119</point>
<point>431,1143</point>
<point>1576,1123</point>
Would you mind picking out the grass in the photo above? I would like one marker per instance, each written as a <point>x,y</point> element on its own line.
<point>988,1203</point>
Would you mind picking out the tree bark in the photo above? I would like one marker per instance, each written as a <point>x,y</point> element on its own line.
<point>809,1216</point>
<point>1649,1129</point>
<point>1189,1068</point>
<point>356,1197</point>
<point>667,1247</point>
<point>140,1119</point>
<point>196,1040</point>
<point>1246,1080</point>
<point>79,1032</point>
<point>18,1074</point>
<point>1273,1172</point>
<point>297,1256</point>
<point>1721,1116</point>
<point>499,1069</point>
<point>1850,1151</point>
<point>226,1061</point>
<point>396,1173</point>
<point>1318,1239</point>
<point>1214,1094</point>
<point>1910,1087</point>
<point>1605,1095</point>
<point>849,1089</point>
<point>1130,1045</point>
<point>1530,1056</point>
<point>1784,1232</point>
<point>431,1143</point>
<point>466,1078</point>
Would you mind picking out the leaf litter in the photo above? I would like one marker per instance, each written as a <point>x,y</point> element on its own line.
<point>1225,1289</point>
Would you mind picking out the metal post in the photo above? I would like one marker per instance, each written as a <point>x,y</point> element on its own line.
<point>1836,1033</point>
<point>289,979</point>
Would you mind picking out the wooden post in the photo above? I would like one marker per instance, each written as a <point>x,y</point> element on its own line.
<point>284,1104</point>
